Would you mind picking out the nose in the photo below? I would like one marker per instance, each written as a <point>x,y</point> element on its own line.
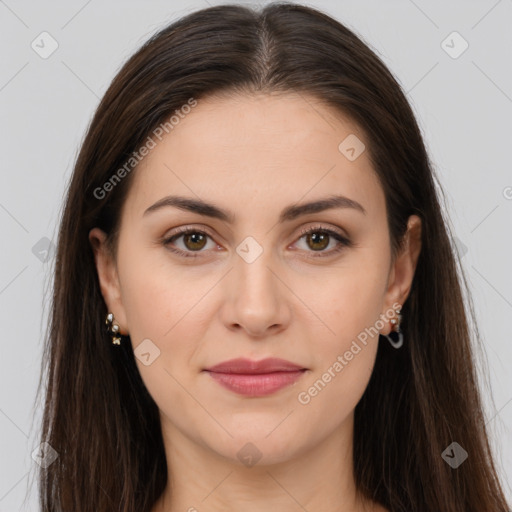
<point>257,301</point>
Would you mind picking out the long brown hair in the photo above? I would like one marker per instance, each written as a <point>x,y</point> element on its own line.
<point>98,415</point>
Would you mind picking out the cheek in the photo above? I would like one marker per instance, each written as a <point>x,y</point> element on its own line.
<point>168,306</point>
<point>349,305</point>
<point>162,306</point>
<point>347,301</point>
<point>157,295</point>
<point>343,359</point>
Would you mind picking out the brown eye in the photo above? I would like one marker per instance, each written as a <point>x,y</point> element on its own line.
<point>189,242</point>
<point>317,241</point>
<point>194,241</point>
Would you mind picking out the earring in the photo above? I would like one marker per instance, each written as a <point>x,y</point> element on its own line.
<point>113,329</point>
<point>396,337</point>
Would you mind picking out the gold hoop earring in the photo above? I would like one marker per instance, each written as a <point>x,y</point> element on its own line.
<point>113,329</point>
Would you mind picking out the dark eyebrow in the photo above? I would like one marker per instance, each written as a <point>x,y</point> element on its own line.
<point>289,213</point>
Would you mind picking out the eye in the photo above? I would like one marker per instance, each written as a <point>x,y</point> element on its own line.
<point>318,238</point>
<point>194,240</point>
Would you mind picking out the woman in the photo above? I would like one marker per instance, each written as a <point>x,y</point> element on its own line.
<point>257,304</point>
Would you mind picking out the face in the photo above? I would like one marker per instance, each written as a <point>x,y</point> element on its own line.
<point>248,282</point>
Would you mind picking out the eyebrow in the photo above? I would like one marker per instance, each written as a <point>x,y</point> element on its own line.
<point>289,213</point>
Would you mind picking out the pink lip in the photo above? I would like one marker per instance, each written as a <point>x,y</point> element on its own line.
<point>256,378</point>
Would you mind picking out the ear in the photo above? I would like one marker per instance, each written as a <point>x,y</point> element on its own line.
<point>403,268</point>
<point>108,277</point>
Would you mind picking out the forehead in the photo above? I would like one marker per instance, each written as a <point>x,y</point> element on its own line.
<point>255,149</point>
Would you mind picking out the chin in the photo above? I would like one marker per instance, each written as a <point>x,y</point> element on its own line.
<point>250,447</point>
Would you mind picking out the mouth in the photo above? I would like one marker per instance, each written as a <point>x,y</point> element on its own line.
<point>256,378</point>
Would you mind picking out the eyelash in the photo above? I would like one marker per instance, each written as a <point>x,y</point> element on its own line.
<point>343,241</point>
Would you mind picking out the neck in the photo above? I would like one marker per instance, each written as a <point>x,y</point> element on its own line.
<point>320,478</point>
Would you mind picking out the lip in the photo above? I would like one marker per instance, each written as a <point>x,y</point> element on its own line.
<point>256,378</point>
<point>249,367</point>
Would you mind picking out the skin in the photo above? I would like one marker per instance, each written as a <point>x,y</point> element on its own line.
<point>254,155</point>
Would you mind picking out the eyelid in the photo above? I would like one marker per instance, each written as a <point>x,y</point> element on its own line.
<point>186,229</point>
<point>320,227</point>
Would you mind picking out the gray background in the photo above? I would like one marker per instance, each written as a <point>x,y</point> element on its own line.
<point>463,105</point>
